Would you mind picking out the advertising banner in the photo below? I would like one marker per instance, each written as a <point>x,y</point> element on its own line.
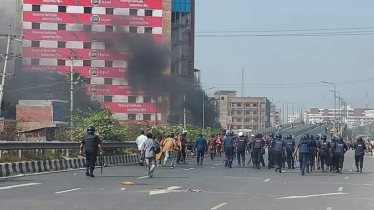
<point>60,35</point>
<point>86,71</point>
<point>65,53</point>
<point>108,90</point>
<point>131,108</point>
<point>131,4</point>
<point>60,17</point>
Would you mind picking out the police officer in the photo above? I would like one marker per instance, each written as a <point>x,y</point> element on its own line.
<point>279,148</point>
<point>241,146</point>
<point>332,159</point>
<point>270,151</point>
<point>92,145</point>
<point>290,148</point>
<point>339,150</point>
<point>201,146</point>
<point>312,152</point>
<point>258,145</point>
<point>317,158</point>
<point>303,148</point>
<point>360,148</point>
<point>324,151</point>
<point>228,145</point>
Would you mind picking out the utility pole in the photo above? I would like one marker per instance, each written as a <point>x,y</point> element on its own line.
<point>72,82</point>
<point>7,57</point>
<point>184,113</point>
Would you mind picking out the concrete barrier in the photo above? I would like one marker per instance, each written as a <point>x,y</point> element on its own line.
<point>11,169</point>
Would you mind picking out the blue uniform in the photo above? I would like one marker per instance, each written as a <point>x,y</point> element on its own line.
<point>201,146</point>
<point>360,148</point>
<point>241,146</point>
<point>228,144</point>
<point>290,147</point>
<point>304,147</point>
<point>278,146</point>
<point>339,150</point>
<point>324,154</point>
<point>258,144</point>
<point>270,152</point>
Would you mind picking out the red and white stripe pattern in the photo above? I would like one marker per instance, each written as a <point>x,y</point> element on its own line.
<point>54,30</point>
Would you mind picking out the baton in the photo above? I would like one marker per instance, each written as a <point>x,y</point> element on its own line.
<point>101,164</point>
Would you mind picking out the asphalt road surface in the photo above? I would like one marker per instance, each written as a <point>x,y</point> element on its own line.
<point>238,188</point>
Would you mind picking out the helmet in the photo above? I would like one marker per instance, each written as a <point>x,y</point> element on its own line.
<point>271,135</point>
<point>340,139</point>
<point>317,137</point>
<point>240,134</point>
<point>303,138</point>
<point>278,136</point>
<point>324,137</point>
<point>306,136</point>
<point>259,135</point>
<point>359,139</point>
<point>311,137</point>
<point>333,138</point>
<point>290,136</point>
<point>91,129</point>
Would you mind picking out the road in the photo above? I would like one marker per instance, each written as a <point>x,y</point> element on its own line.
<point>239,188</point>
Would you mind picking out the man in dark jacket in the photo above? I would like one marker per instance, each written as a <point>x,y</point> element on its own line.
<point>258,145</point>
<point>339,151</point>
<point>360,148</point>
<point>201,146</point>
<point>228,145</point>
<point>92,145</point>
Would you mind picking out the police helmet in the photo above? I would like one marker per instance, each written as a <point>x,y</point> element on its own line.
<point>91,129</point>
<point>324,137</point>
<point>278,136</point>
<point>240,134</point>
<point>359,139</point>
<point>303,138</point>
<point>306,136</point>
<point>311,137</point>
<point>271,135</point>
<point>340,139</point>
<point>317,137</point>
<point>259,135</point>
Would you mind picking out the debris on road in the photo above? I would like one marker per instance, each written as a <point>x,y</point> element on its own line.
<point>127,183</point>
<point>192,190</point>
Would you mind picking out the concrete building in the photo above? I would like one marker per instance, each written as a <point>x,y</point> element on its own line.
<point>293,118</point>
<point>54,31</point>
<point>242,112</point>
<point>352,116</point>
<point>275,116</point>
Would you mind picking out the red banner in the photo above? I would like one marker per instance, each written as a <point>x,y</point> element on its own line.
<point>132,4</point>
<point>108,90</point>
<point>60,35</point>
<point>86,71</point>
<point>65,53</point>
<point>131,108</point>
<point>59,17</point>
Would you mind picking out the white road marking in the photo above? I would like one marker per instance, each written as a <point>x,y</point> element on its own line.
<point>346,177</point>
<point>173,188</point>
<point>164,191</point>
<point>18,185</point>
<point>266,180</point>
<point>217,164</point>
<point>218,206</point>
<point>350,170</point>
<point>65,191</point>
<point>340,189</point>
<point>143,177</point>
<point>309,196</point>
<point>187,169</point>
<point>282,171</point>
<point>329,208</point>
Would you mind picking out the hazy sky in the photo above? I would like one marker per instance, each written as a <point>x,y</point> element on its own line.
<point>288,59</point>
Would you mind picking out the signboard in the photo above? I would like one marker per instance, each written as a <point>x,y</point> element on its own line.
<point>131,108</point>
<point>82,36</point>
<point>86,71</point>
<point>108,90</point>
<point>132,4</point>
<point>77,18</point>
<point>65,53</point>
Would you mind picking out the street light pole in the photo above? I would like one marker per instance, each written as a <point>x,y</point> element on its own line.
<point>334,99</point>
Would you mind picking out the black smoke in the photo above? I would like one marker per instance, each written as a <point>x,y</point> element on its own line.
<point>147,63</point>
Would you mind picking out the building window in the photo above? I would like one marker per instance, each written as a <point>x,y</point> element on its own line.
<point>132,99</point>
<point>148,30</point>
<point>131,116</point>
<point>254,105</point>
<point>133,12</point>
<point>61,8</point>
<point>109,28</point>
<point>35,25</point>
<point>247,104</point>
<point>246,112</point>
<point>133,29</point>
<point>148,12</point>
<point>35,7</point>
<point>61,26</point>
<point>34,61</point>
<point>108,98</point>
<point>60,62</point>
<point>222,98</point>
<point>109,46</point>
<point>147,99</point>
<point>239,127</point>
<point>238,112</point>
<point>247,120</point>
<point>86,63</point>
<point>108,63</point>
<point>254,112</point>
<point>35,43</point>
<point>108,81</point>
<point>147,116</point>
<point>239,105</point>
<point>61,44</point>
<point>86,45</point>
<point>109,11</point>
<point>238,120</point>
<point>87,27</point>
<point>88,10</point>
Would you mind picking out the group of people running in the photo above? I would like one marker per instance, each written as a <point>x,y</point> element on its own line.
<point>312,151</point>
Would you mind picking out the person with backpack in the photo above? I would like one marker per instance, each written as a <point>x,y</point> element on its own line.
<point>149,150</point>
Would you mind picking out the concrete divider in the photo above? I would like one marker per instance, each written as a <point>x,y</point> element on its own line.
<point>10,169</point>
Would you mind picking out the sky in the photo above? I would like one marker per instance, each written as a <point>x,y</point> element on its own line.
<point>287,68</point>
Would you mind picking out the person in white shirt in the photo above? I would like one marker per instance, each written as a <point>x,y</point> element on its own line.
<point>139,141</point>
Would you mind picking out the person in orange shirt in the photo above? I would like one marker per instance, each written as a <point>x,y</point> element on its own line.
<point>169,147</point>
<point>219,142</point>
<point>160,155</point>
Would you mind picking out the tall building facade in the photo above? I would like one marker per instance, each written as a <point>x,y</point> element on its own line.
<point>275,114</point>
<point>55,30</point>
<point>242,112</point>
